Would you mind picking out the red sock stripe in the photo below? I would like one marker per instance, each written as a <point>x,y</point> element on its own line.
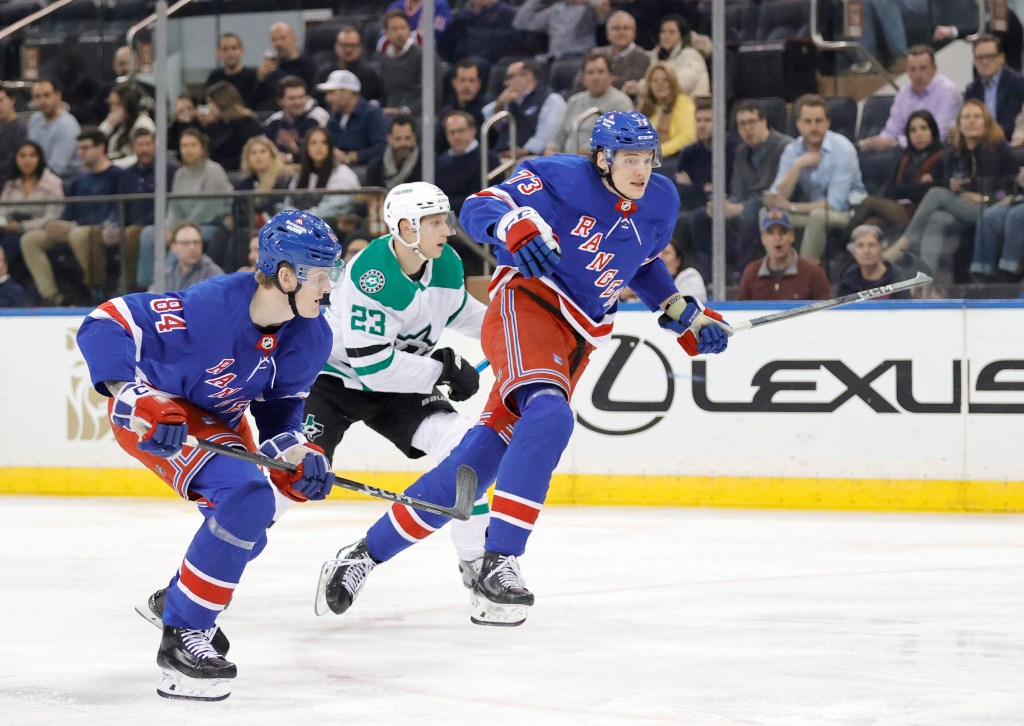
<point>409,525</point>
<point>514,509</point>
<point>203,588</point>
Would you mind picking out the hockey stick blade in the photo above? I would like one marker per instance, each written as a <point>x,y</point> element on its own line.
<point>461,510</point>
<point>916,281</point>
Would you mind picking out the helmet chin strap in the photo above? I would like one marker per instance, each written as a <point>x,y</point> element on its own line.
<point>414,246</point>
<point>607,174</point>
<point>291,295</point>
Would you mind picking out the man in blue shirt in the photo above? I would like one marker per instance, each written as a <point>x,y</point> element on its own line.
<point>82,224</point>
<point>819,178</point>
<point>357,127</point>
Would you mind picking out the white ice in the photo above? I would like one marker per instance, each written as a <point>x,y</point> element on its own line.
<point>643,616</point>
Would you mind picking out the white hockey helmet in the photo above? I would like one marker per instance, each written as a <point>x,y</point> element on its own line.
<point>413,201</point>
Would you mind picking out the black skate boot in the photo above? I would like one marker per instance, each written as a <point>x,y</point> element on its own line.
<point>342,578</point>
<point>153,611</point>
<point>500,596</point>
<point>470,571</point>
<point>192,669</point>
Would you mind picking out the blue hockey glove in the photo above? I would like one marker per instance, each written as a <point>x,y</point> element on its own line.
<point>154,416</point>
<point>529,238</point>
<point>700,329</point>
<point>312,480</point>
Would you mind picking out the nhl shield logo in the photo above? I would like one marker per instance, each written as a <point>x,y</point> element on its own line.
<point>371,281</point>
<point>267,344</point>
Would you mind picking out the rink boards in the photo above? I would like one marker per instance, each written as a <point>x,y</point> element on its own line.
<point>891,406</point>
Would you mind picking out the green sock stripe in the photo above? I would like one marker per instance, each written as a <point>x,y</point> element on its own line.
<point>482,508</point>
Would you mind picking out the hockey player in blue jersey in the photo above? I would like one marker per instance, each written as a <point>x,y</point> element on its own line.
<point>570,233</point>
<point>191,363</point>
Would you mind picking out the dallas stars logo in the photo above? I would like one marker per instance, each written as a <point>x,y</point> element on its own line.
<point>371,281</point>
<point>311,429</point>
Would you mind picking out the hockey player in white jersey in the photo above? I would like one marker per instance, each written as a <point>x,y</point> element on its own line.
<point>399,294</point>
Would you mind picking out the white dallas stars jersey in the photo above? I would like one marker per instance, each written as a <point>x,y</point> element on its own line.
<point>386,325</point>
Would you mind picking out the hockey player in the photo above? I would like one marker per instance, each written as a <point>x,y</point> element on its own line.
<point>570,233</point>
<point>192,363</point>
<point>397,297</point>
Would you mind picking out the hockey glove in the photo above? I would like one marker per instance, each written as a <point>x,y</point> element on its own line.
<point>700,329</point>
<point>154,416</point>
<point>312,480</point>
<point>533,245</point>
<point>462,379</point>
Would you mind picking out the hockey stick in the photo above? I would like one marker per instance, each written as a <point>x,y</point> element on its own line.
<point>919,279</point>
<point>465,481</point>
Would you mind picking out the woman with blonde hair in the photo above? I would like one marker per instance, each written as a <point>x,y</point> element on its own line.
<point>982,170</point>
<point>230,124</point>
<point>265,170</point>
<point>671,113</point>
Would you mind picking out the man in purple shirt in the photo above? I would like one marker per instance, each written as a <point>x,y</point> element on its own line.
<point>928,90</point>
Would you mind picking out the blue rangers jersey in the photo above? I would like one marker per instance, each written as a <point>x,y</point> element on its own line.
<point>607,242</point>
<point>201,345</point>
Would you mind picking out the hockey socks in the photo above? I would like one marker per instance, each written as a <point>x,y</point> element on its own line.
<point>524,475</point>
<point>403,526</point>
<point>234,531</point>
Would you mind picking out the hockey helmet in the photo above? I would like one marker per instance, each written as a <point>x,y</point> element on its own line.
<point>301,239</point>
<point>413,201</point>
<point>625,131</point>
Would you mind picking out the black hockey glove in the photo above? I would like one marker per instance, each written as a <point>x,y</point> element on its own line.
<point>456,372</point>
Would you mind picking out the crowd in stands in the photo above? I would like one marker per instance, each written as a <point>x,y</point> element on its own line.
<point>801,200</point>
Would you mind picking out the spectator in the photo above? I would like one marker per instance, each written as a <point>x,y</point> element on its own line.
<point>121,66</point>
<point>671,113</point>
<point>139,178</point>
<point>921,167</point>
<point>299,113</point>
<point>687,279</point>
<point>597,79</point>
<point>230,55</point>
<point>185,116</point>
<point>81,225</point>
<point>187,265</point>
<point>264,170</point>
<point>1001,88</point>
<point>887,15</point>
<point>412,10</point>
<point>12,295</point>
<point>467,89</point>
<point>123,120</point>
<point>198,174</point>
<point>284,60</point>
<point>13,131</point>
<point>675,47</point>
<point>781,274</point>
<point>570,25</point>
<point>348,47</point>
<point>355,242</point>
<point>981,171</point>
<point>869,269</point>
<point>629,61</point>
<point>401,63</point>
<point>755,165</point>
<point>458,169</point>
<point>230,125</point>
<point>818,179</point>
<point>54,129</point>
<point>1011,39</point>
<point>254,255</point>
<point>537,109</point>
<point>401,160</point>
<point>28,179</point>
<point>482,30</point>
<point>928,90</point>
<point>320,170</point>
<point>357,127</point>
<point>999,242</point>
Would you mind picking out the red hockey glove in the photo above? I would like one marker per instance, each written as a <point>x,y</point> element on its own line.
<point>313,479</point>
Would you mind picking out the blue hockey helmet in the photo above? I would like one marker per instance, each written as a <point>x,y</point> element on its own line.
<point>301,239</point>
<point>625,131</point>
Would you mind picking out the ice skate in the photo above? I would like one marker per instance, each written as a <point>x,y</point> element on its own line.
<point>153,611</point>
<point>500,596</point>
<point>192,670</point>
<point>470,571</point>
<point>342,578</point>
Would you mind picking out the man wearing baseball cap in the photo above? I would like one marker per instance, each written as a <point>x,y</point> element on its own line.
<point>782,274</point>
<point>357,127</point>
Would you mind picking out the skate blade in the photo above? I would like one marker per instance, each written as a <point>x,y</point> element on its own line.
<point>143,610</point>
<point>176,685</point>
<point>320,606</point>
<point>486,612</point>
